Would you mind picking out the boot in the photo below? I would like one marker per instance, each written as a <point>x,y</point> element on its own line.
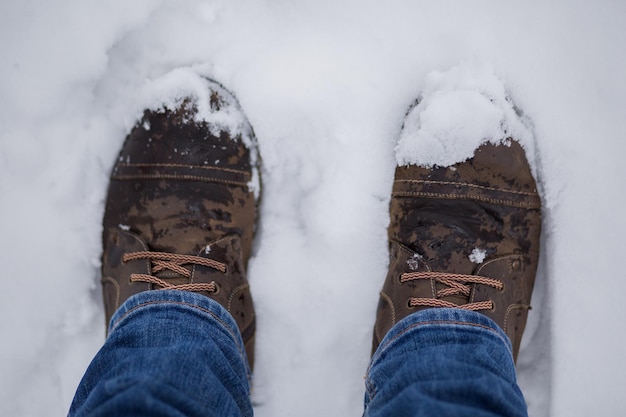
<point>180,211</point>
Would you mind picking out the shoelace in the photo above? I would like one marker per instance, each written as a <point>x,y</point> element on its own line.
<point>162,261</point>
<point>456,286</point>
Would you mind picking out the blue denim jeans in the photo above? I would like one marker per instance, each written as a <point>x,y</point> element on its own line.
<point>172,353</point>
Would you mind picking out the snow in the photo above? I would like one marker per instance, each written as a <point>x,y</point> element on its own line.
<point>171,88</point>
<point>458,110</point>
<point>477,256</point>
<point>325,86</point>
<point>414,262</point>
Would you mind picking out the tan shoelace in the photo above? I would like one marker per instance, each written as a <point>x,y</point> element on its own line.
<point>162,261</point>
<point>456,286</point>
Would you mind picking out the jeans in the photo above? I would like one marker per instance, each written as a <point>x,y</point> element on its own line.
<point>173,353</point>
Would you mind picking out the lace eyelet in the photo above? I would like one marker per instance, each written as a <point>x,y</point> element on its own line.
<point>408,304</point>
<point>516,265</point>
<point>493,307</point>
<point>217,288</point>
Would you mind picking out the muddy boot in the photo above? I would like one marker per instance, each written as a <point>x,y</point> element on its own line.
<point>181,211</point>
<point>464,236</point>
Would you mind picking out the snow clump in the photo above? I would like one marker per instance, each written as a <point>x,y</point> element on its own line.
<point>478,255</point>
<point>458,111</point>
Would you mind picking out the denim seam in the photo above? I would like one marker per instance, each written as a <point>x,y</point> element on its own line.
<point>204,310</point>
<point>437,322</point>
<point>371,387</point>
<point>172,302</point>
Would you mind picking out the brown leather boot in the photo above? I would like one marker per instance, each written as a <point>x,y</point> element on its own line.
<point>180,211</point>
<point>467,237</point>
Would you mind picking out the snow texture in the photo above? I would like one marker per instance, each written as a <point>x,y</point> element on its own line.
<point>477,256</point>
<point>326,86</point>
<point>169,90</point>
<point>458,111</point>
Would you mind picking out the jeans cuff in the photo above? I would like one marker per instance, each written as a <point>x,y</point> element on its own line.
<point>450,317</point>
<point>200,304</point>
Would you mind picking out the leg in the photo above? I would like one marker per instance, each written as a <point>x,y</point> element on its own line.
<point>169,353</point>
<point>463,247</point>
<point>444,362</point>
<point>178,227</point>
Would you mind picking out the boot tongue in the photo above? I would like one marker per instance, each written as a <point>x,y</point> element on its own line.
<point>405,259</point>
<point>450,257</point>
<point>456,299</point>
<point>226,250</point>
<point>172,277</point>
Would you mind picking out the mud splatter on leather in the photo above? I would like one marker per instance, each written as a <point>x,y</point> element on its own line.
<point>181,186</point>
<point>439,216</point>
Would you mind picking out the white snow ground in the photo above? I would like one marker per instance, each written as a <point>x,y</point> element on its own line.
<point>325,85</point>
